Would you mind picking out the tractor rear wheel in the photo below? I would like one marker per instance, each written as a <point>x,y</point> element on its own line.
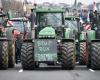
<point>3,54</point>
<point>68,55</point>
<point>82,58</point>
<point>11,54</point>
<point>95,55</point>
<point>27,56</point>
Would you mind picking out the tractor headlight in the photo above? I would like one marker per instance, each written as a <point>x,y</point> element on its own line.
<point>59,41</point>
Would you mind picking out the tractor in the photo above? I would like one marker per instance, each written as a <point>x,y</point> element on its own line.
<point>79,35</point>
<point>7,43</point>
<point>19,24</point>
<point>93,41</point>
<point>3,45</point>
<point>50,41</point>
<point>7,50</point>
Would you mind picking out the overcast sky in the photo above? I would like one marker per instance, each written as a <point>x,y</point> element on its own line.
<point>64,1</point>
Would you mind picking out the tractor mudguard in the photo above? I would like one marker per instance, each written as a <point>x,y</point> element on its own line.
<point>27,40</point>
<point>97,40</point>
<point>3,39</point>
<point>83,41</point>
<point>67,40</point>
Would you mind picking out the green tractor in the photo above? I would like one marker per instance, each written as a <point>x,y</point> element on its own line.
<point>21,25</point>
<point>73,23</point>
<point>93,42</point>
<point>51,41</point>
<point>7,45</point>
<point>3,45</point>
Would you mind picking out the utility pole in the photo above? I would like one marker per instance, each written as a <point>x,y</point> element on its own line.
<point>0,3</point>
<point>75,4</point>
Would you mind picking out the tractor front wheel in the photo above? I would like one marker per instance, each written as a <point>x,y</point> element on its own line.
<point>11,54</point>
<point>68,55</point>
<point>95,55</point>
<point>82,58</point>
<point>3,54</point>
<point>27,56</point>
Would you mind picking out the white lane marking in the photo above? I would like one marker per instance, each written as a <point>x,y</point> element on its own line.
<point>21,70</point>
<point>92,70</point>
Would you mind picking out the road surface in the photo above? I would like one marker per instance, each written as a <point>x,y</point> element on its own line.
<point>50,73</point>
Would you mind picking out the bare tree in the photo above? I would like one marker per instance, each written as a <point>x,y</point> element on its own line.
<point>12,5</point>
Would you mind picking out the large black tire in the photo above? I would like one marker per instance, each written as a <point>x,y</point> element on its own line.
<point>89,56</point>
<point>68,55</point>
<point>82,58</point>
<point>89,61</point>
<point>11,53</point>
<point>27,56</point>
<point>3,54</point>
<point>95,55</point>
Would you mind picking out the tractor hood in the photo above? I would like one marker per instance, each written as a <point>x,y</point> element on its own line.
<point>47,32</point>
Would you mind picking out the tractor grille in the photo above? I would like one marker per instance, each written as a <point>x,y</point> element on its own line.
<point>46,37</point>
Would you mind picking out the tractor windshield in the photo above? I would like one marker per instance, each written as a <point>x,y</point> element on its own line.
<point>71,24</point>
<point>17,23</point>
<point>53,19</point>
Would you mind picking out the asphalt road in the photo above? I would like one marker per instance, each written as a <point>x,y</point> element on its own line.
<point>50,73</point>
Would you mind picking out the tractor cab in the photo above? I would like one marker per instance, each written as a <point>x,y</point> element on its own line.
<point>94,33</point>
<point>49,20</point>
<point>72,22</point>
<point>18,23</point>
<point>95,19</point>
<point>95,22</point>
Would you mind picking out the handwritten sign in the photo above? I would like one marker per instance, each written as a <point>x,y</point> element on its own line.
<point>45,49</point>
